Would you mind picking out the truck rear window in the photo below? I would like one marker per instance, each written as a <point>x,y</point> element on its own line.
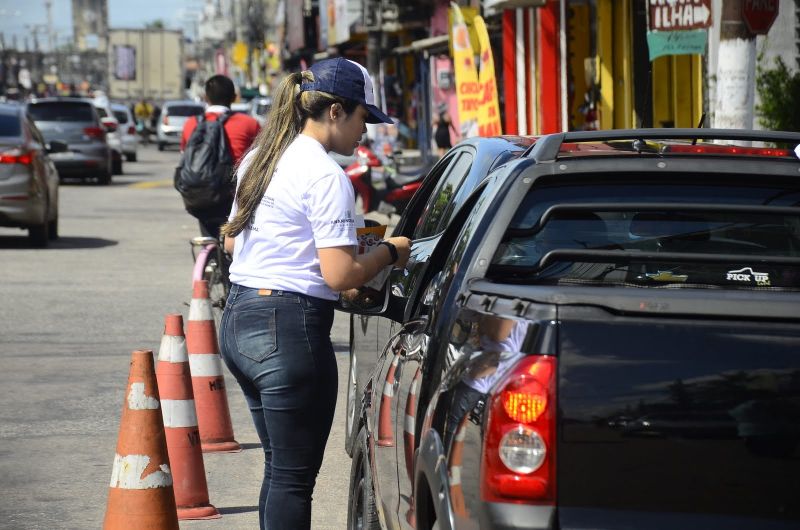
<point>61,111</point>
<point>184,110</point>
<point>737,237</point>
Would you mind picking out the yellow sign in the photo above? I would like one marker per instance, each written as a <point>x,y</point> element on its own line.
<point>468,89</point>
<point>239,54</point>
<point>489,109</point>
<point>468,15</point>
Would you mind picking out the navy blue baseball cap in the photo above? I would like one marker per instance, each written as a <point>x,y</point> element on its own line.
<point>344,78</point>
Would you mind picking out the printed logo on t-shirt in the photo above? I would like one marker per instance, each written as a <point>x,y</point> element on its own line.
<point>268,201</point>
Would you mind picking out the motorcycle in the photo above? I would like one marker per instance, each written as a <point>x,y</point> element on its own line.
<point>382,186</point>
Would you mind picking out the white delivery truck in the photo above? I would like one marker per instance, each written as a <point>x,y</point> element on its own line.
<point>145,63</point>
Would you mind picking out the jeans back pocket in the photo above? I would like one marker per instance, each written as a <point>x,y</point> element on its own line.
<point>255,332</point>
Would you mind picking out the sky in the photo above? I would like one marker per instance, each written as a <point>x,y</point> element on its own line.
<point>20,18</point>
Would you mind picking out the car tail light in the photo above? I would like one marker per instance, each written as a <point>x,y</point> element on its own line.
<point>16,156</point>
<point>131,130</point>
<point>166,120</point>
<point>519,451</point>
<point>98,133</point>
<point>727,150</point>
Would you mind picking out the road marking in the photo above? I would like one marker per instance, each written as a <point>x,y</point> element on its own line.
<point>165,183</point>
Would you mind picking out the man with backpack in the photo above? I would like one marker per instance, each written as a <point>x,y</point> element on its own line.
<point>212,145</point>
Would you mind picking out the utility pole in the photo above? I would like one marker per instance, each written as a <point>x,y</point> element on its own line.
<point>736,69</point>
<point>48,6</point>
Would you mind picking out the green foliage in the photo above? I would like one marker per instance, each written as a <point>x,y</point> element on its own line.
<point>155,24</point>
<point>779,91</point>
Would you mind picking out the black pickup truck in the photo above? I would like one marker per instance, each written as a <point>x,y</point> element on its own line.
<point>605,336</point>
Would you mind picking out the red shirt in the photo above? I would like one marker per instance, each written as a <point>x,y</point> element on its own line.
<point>240,131</point>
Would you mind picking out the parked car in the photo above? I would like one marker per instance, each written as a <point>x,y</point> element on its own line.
<point>241,107</point>
<point>74,121</point>
<point>28,178</point>
<point>113,134</point>
<point>259,109</point>
<point>599,275</point>
<point>127,131</point>
<point>171,120</point>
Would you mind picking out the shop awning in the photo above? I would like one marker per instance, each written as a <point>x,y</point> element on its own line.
<point>429,44</point>
<point>493,6</point>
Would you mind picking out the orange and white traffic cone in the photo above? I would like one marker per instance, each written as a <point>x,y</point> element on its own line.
<point>385,429</point>
<point>208,382</point>
<point>454,470</point>
<point>180,424</point>
<point>140,495</point>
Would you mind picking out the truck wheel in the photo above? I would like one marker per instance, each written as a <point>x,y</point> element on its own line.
<point>116,167</point>
<point>352,412</point>
<point>160,146</point>
<point>104,179</point>
<point>130,157</point>
<point>361,512</point>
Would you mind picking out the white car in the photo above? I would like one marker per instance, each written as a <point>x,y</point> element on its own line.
<point>173,116</point>
<point>111,125</point>
<point>127,131</point>
<point>259,109</point>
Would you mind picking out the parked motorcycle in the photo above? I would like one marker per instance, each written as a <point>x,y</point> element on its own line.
<point>382,186</point>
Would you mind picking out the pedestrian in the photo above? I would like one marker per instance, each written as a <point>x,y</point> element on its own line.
<point>240,132</point>
<point>442,126</point>
<point>294,251</point>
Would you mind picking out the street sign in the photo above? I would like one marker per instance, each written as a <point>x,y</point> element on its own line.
<point>674,15</point>
<point>759,15</point>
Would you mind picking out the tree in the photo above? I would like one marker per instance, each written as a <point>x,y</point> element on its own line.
<point>155,24</point>
<point>779,91</point>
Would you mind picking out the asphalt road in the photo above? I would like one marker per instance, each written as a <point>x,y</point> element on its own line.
<point>71,314</point>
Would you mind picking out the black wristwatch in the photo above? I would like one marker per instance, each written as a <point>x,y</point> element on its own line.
<point>392,251</point>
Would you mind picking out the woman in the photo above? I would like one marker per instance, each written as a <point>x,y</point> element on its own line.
<point>442,126</point>
<point>294,251</point>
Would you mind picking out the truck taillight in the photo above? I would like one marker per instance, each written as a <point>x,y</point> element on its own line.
<point>518,462</point>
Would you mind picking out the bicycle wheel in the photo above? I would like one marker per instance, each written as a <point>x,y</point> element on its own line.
<point>208,267</point>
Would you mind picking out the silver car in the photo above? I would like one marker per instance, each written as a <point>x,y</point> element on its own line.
<point>127,131</point>
<point>75,122</point>
<point>259,109</point>
<point>28,178</point>
<point>171,120</point>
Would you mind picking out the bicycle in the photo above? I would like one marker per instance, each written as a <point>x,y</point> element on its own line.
<point>211,263</point>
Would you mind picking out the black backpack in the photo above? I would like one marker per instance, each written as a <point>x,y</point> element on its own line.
<point>204,177</point>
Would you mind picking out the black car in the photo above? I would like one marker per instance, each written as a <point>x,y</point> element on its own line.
<point>444,191</point>
<point>640,274</point>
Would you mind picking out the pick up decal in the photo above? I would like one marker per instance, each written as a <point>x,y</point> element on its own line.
<point>748,275</point>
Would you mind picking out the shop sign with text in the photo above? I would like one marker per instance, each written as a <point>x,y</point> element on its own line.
<point>679,15</point>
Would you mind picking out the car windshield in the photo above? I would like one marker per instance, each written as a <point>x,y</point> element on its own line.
<point>184,110</point>
<point>121,116</point>
<point>101,112</point>
<point>661,235</point>
<point>9,125</point>
<point>61,111</point>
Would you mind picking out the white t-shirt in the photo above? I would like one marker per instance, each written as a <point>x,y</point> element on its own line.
<point>309,204</point>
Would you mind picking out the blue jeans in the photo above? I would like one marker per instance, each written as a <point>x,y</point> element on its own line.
<point>278,346</point>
